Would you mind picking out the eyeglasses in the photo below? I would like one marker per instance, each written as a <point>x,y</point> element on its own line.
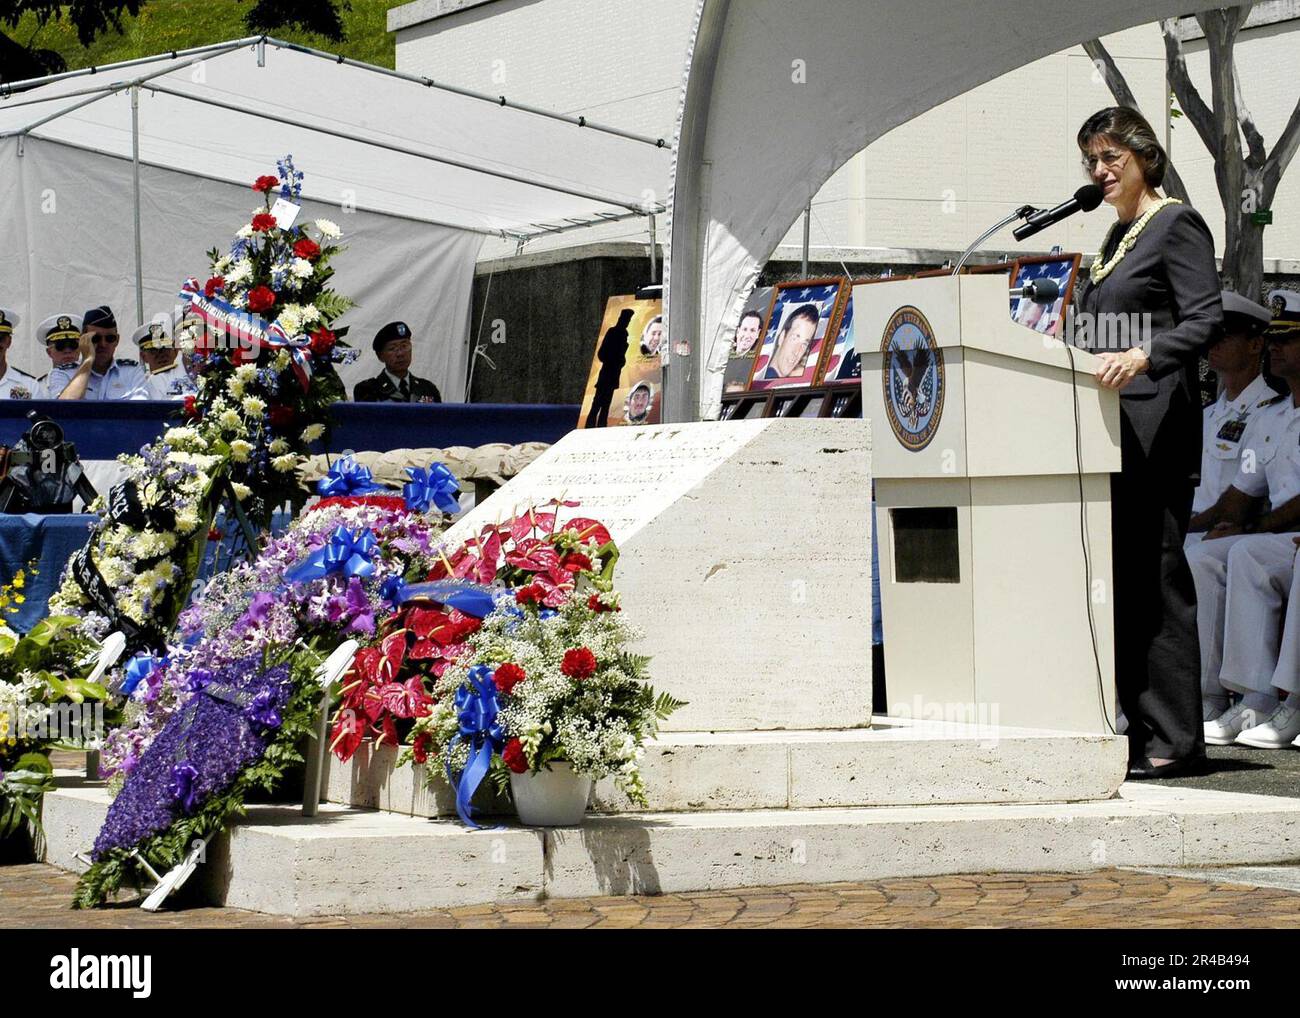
<point>64,345</point>
<point>101,338</point>
<point>1110,157</point>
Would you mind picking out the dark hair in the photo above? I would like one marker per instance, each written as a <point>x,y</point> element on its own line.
<point>1129,128</point>
<point>809,311</point>
<point>750,314</point>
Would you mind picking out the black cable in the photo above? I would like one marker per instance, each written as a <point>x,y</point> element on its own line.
<point>1083,540</point>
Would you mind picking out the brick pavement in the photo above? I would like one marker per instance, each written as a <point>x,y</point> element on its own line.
<point>35,895</point>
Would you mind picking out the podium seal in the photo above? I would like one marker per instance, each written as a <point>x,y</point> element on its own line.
<point>912,377</point>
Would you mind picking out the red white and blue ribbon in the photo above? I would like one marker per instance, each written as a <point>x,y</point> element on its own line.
<point>246,327</point>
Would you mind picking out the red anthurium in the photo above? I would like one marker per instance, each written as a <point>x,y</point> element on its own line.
<point>393,647</point>
<point>346,736</point>
<point>533,555</point>
<point>406,699</point>
<point>575,562</point>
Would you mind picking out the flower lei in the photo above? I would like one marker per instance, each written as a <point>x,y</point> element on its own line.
<point>1099,271</point>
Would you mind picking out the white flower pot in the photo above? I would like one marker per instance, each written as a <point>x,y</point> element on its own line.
<point>554,797</point>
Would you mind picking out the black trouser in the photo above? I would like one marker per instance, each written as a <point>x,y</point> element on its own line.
<point>1157,655</point>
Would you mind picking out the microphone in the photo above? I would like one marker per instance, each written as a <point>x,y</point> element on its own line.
<point>1040,291</point>
<point>1085,199</point>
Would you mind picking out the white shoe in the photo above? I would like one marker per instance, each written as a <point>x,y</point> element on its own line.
<point>1279,731</point>
<point>1224,729</point>
<point>1211,711</point>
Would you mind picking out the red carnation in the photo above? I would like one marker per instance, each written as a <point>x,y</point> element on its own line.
<point>531,594</point>
<point>282,417</point>
<point>421,746</point>
<point>191,408</point>
<point>507,676</point>
<point>266,183</point>
<point>214,284</point>
<point>579,663</point>
<point>307,248</point>
<point>264,222</point>
<point>322,341</point>
<point>261,298</point>
<point>513,756</point>
<point>595,604</point>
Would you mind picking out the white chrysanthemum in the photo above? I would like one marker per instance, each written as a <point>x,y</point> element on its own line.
<point>184,439</point>
<point>328,229</point>
<point>244,232</point>
<point>243,269</point>
<point>236,387</point>
<point>278,447</point>
<point>281,361</point>
<point>284,463</point>
<point>310,313</point>
<point>150,544</point>
<point>246,372</point>
<point>187,521</point>
<point>242,491</point>
<point>301,268</point>
<point>240,450</point>
<point>230,421</point>
<point>312,432</point>
<point>253,406</point>
<point>290,319</point>
<point>221,264</point>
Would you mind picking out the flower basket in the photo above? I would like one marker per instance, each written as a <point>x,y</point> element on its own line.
<point>555,796</point>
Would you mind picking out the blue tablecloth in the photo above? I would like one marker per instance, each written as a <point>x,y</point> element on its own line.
<point>101,430</point>
<point>49,542</point>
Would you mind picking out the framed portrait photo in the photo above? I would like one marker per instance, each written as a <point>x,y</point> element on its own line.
<point>1045,318</point>
<point>747,340</point>
<point>997,268</point>
<point>802,317</point>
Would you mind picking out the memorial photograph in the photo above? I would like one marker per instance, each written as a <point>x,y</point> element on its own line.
<point>801,316</point>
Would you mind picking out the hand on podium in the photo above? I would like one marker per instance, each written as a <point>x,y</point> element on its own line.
<point>1116,370</point>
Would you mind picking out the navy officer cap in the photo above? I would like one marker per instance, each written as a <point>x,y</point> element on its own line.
<point>101,316</point>
<point>391,331</point>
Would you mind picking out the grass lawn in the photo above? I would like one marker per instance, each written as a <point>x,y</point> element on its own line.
<point>179,24</point>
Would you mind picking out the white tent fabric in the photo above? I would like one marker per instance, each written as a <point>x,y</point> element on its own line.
<point>68,246</point>
<point>415,175</point>
<point>779,95</point>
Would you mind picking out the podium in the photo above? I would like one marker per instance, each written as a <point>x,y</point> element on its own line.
<point>992,450</point>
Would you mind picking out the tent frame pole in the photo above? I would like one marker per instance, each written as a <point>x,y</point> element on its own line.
<point>807,236</point>
<point>135,184</point>
<point>654,269</point>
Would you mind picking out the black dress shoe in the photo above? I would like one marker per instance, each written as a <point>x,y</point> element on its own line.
<point>1145,770</point>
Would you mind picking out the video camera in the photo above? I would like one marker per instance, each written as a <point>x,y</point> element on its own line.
<point>41,472</point>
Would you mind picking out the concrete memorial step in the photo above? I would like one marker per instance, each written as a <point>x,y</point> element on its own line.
<point>351,861</point>
<point>898,762</point>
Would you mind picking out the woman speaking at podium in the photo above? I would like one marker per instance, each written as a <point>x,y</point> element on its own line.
<point>1155,277</point>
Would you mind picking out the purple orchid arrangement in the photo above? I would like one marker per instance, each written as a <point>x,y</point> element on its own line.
<point>245,611</point>
<point>199,752</point>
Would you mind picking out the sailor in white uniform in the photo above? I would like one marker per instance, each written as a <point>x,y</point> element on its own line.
<point>168,378</point>
<point>60,335</point>
<point>100,375</point>
<point>14,384</point>
<point>1245,566</point>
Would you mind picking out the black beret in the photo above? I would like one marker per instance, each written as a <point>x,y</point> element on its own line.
<point>101,316</point>
<point>393,330</point>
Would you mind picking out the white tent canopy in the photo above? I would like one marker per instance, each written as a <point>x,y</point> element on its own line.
<point>796,90</point>
<point>415,173</point>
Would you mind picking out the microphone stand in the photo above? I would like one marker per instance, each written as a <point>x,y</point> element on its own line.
<point>1024,212</point>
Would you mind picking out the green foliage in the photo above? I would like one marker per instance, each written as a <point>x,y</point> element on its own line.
<point>34,47</point>
<point>165,850</point>
<point>21,790</point>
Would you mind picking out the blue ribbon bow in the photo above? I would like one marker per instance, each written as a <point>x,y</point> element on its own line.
<point>437,485</point>
<point>476,710</point>
<point>262,710</point>
<point>471,599</point>
<point>138,669</point>
<point>347,477</point>
<point>346,553</point>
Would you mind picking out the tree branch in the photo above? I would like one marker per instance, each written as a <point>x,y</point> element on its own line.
<point>1119,88</point>
<point>1254,140</point>
<point>1189,99</point>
